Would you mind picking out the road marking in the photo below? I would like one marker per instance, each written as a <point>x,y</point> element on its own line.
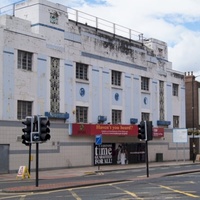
<point>127,192</point>
<point>21,197</point>
<point>74,194</point>
<point>179,191</point>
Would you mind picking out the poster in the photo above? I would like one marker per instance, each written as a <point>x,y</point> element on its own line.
<point>119,153</point>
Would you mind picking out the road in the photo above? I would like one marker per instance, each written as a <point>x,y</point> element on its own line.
<point>184,186</point>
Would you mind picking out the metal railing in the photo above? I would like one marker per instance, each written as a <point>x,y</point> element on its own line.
<point>103,24</point>
<point>90,20</point>
<point>9,9</point>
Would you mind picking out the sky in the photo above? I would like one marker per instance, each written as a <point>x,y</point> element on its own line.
<point>176,22</point>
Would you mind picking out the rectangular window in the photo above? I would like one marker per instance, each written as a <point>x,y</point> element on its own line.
<point>24,109</point>
<point>25,60</point>
<point>116,78</point>
<point>175,121</point>
<point>175,90</point>
<point>81,114</point>
<point>144,83</point>
<point>116,116</point>
<point>82,71</point>
<point>145,116</point>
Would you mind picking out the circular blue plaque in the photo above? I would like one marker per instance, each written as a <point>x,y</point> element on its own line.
<point>145,100</point>
<point>82,92</point>
<point>116,96</point>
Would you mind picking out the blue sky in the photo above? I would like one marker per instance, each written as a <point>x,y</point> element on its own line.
<point>176,22</point>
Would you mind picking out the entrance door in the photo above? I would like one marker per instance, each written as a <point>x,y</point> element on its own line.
<point>4,158</point>
<point>194,151</point>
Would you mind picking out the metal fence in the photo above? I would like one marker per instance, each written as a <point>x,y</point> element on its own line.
<point>90,20</point>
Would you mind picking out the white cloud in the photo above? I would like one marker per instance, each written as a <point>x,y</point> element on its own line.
<point>161,19</point>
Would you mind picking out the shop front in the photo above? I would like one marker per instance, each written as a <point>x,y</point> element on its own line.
<point>119,145</point>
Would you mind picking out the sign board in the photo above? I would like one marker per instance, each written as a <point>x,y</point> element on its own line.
<point>158,132</point>
<point>103,129</point>
<point>109,130</point>
<point>103,154</point>
<point>98,139</point>
<point>23,172</point>
<point>35,137</point>
<point>180,135</point>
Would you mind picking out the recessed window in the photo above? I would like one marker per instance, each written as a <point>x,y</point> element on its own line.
<point>144,83</point>
<point>82,71</point>
<point>175,90</point>
<point>25,60</point>
<point>145,116</point>
<point>81,114</point>
<point>116,116</point>
<point>24,109</point>
<point>116,78</point>
<point>175,121</point>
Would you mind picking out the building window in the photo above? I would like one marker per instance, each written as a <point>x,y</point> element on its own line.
<point>25,60</point>
<point>116,116</point>
<point>116,78</point>
<point>175,121</point>
<point>145,116</point>
<point>144,83</point>
<point>82,71</point>
<point>175,90</point>
<point>81,114</point>
<point>55,85</point>
<point>24,109</point>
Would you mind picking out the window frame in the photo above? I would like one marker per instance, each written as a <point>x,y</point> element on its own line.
<point>24,60</point>
<point>176,124</point>
<point>145,116</point>
<point>81,114</point>
<point>175,90</point>
<point>116,116</point>
<point>24,109</point>
<point>144,83</point>
<point>82,71</point>
<point>116,78</point>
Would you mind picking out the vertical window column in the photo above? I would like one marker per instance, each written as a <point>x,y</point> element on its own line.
<point>55,85</point>
<point>161,100</point>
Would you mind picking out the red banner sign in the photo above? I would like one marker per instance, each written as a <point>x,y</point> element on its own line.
<point>110,130</point>
<point>104,129</point>
<point>158,132</point>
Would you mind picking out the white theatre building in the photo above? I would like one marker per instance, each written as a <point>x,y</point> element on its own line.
<point>90,78</point>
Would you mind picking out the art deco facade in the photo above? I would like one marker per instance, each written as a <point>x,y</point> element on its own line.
<point>55,63</point>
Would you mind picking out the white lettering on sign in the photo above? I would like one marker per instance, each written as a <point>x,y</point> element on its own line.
<point>103,154</point>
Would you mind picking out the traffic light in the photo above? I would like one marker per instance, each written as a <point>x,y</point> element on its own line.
<point>44,129</point>
<point>142,130</point>
<point>26,137</point>
<point>35,136</point>
<point>149,130</point>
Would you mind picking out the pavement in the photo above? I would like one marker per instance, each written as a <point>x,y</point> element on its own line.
<point>69,176</point>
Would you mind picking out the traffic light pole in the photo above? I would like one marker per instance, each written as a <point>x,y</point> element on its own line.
<point>37,164</point>
<point>147,158</point>
<point>29,159</point>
